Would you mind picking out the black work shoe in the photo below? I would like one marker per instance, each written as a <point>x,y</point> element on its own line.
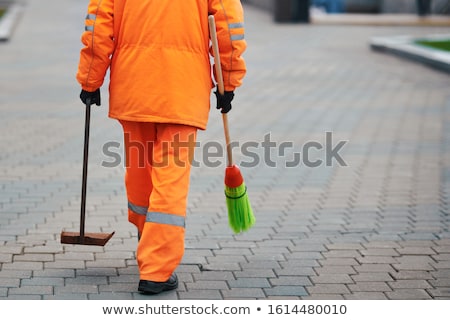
<point>152,287</point>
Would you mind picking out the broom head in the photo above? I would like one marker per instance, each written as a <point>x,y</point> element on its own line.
<point>240,213</point>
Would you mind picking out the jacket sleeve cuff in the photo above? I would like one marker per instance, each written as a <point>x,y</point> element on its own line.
<point>89,89</point>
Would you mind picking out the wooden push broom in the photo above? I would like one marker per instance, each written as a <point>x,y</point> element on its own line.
<point>240,213</point>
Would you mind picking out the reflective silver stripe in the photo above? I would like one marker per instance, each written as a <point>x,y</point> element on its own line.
<point>237,25</point>
<point>137,209</point>
<point>91,16</point>
<point>166,218</point>
<point>237,37</point>
<point>89,28</point>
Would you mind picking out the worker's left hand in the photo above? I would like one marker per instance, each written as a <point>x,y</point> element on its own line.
<point>224,101</point>
<point>94,97</point>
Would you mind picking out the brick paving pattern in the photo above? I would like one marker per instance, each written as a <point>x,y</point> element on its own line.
<point>377,228</point>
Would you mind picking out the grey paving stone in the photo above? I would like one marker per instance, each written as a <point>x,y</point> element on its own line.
<point>207,285</point>
<point>99,272</point>
<point>383,252</point>
<point>290,280</point>
<point>262,265</point>
<point>3,292</point>
<point>25,266</point>
<point>76,256</point>
<point>408,294</point>
<point>332,278</point>
<point>248,244</point>
<point>76,288</point>
<point>288,298</point>
<point>441,257</point>
<point>440,292</point>
<point>5,258</point>
<point>375,267</point>
<point>328,262</point>
<point>193,259</point>
<point>214,275</point>
<point>242,293</point>
<point>414,259</point>
<point>40,281</point>
<point>441,273</point>
<point>249,283</point>
<point>328,289</point>
<point>265,257</point>
<point>111,296</point>
<point>65,264</point>
<point>224,251</point>
<point>106,263</point>
<point>443,282</point>
<point>293,270</point>
<point>369,287</point>
<point>419,236</point>
<point>306,255</point>
<point>410,284</point>
<point>335,270</point>
<point>256,273</point>
<point>125,287</point>
<point>34,257</point>
<point>411,275</point>
<point>134,278</point>
<point>300,246</point>
<point>372,277</point>
<point>54,273</point>
<point>416,250</point>
<point>441,265</point>
<point>86,280</point>
<point>417,266</point>
<point>10,282</point>
<point>122,255</point>
<point>201,295</point>
<point>31,290</point>
<point>319,296</point>
<point>360,295</point>
<point>297,291</point>
<point>442,249</point>
<point>24,297</point>
<point>377,259</point>
<point>345,246</point>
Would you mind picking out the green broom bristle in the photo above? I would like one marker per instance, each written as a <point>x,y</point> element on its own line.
<point>240,213</point>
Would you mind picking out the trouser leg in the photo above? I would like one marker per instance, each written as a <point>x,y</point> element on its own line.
<point>138,153</point>
<point>161,246</point>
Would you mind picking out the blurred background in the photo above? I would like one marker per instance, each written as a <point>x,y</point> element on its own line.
<point>364,6</point>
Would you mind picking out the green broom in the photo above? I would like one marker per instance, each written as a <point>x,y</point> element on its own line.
<point>240,213</point>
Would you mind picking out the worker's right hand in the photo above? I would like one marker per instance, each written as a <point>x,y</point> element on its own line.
<point>93,97</point>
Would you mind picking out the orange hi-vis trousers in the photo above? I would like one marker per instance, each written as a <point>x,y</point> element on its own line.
<point>158,160</point>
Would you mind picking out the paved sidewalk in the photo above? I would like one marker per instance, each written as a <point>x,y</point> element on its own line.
<point>377,228</point>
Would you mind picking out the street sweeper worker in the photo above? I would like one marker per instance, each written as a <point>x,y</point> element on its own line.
<point>158,55</point>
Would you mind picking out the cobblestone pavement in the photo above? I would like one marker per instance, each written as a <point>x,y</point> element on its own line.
<point>376,228</point>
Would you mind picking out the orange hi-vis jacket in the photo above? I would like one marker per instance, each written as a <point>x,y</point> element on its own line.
<point>158,53</point>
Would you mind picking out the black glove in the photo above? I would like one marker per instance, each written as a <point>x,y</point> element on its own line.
<point>224,101</point>
<point>93,97</point>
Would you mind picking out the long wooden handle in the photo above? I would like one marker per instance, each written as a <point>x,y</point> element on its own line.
<point>87,122</point>
<point>220,86</point>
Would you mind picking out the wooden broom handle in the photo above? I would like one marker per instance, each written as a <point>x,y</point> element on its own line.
<point>220,86</point>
